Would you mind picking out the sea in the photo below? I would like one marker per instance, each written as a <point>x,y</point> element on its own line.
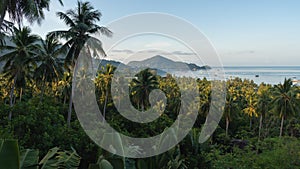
<point>259,74</point>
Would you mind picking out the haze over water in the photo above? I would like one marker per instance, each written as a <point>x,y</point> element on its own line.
<point>267,74</point>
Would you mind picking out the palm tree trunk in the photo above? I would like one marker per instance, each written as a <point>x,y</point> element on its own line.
<point>65,99</point>
<point>281,126</point>
<point>260,126</point>
<point>42,93</point>
<point>70,110</point>
<point>12,97</point>
<point>250,125</point>
<point>227,125</point>
<point>21,92</point>
<point>14,102</point>
<point>143,105</point>
<point>43,86</point>
<point>105,103</point>
<point>70,102</point>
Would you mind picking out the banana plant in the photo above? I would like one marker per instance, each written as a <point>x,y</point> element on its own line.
<point>101,164</point>
<point>9,154</point>
<point>57,158</point>
<point>12,158</point>
<point>29,159</point>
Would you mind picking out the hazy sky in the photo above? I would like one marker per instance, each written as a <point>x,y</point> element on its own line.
<point>257,32</point>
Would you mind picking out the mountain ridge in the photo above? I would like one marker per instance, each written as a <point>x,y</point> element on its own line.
<point>162,63</point>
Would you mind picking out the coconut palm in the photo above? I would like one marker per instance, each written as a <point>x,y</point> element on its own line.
<point>106,75</point>
<point>231,107</point>
<point>32,10</point>
<point>82,23</point>
<point>50,67</point>
<point>19,59</point>
<point>263,104</point>
<point>64,86</point>
<point>251,108</point>
<point>5,29</point>
<point>142,86</point>
<point>285,101</point>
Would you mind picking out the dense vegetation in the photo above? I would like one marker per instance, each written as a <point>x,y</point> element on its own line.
<point>260,126</point>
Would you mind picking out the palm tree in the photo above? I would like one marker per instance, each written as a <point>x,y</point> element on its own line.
<point>285,101</point>
<point>32,10</point>
<point>64,86</point>
<point>251,109</point>
<point>106,75</point>
<point>230,107</point>
<point>5,29</point>
<point>142,85</point>
<point>263,104</point>
<point>205,96</point>
<point>82,23</point>
<point>19,59</point>
<point>50,67</point>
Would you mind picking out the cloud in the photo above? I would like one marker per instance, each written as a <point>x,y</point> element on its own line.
<point>154,52</point>
<point>182,53</point>
<point>158,45</point>
<point>151,51</point>
<point>127,51</point>
<point>246,52</point>
<point>241,52</point>
<point>167,53</point>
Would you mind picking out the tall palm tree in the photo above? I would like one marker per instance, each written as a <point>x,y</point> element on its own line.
<point>32,10</point>
<point>262,104</point>
<point>50,67</point>
<point>82,23</point>
<point>230,107</point>
<point>251,108</point>
<point>285,101</point>
<point>142,86</point>
<point>19,59</point>
<point>64,86</point>
<point>5,29</point>
<point>105,77</point>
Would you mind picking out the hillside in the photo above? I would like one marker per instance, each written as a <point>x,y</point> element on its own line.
<point>104,62</point>
<point>162,63</point>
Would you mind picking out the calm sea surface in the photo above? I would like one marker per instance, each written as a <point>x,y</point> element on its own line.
<point>259,74</point>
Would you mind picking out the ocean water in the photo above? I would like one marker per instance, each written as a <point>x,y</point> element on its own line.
<point>267,74</point>
<point>270,74</point>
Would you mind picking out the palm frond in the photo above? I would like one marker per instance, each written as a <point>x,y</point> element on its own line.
<point>68,21</point>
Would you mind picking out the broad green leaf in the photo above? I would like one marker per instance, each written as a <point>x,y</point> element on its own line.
<point>46,162</point>
<point>57,158</point>
<point>103,164</point>
<point>9,154</point>
<point>29,159</point>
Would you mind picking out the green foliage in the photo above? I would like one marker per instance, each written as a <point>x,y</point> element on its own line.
<point>254,114</point>
<point>169,160</point>
<point>57,158</point>
<point>29,159</point>
<point>141,87</point>
<point>270,153</point>
<point>101,164</point>
<point>9,154</point>
<point>11,158</point>
<point>38,125</point>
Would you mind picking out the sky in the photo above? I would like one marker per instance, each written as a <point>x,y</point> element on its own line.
<point>243,33</point>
